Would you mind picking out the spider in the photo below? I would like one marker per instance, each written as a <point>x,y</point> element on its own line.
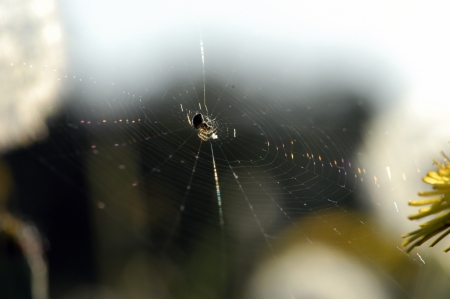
<point>204,126</point>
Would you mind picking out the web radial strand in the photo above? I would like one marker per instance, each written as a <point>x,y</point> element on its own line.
<point>219,199</point>
<point>188,188</point>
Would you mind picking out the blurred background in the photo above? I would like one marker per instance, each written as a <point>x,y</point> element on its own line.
<point>327,115</point>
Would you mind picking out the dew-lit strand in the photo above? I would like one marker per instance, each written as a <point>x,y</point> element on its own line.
<point>219,199</point>
<point>222,222</point>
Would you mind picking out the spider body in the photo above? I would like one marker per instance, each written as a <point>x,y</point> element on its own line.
<point>204,127</point>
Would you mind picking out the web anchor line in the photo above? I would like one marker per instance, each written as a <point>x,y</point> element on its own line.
<point>202,51</point>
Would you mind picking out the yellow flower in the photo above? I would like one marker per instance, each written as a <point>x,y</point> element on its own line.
<point>439,204</point>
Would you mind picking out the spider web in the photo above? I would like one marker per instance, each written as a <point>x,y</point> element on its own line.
<point>285,164</point>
